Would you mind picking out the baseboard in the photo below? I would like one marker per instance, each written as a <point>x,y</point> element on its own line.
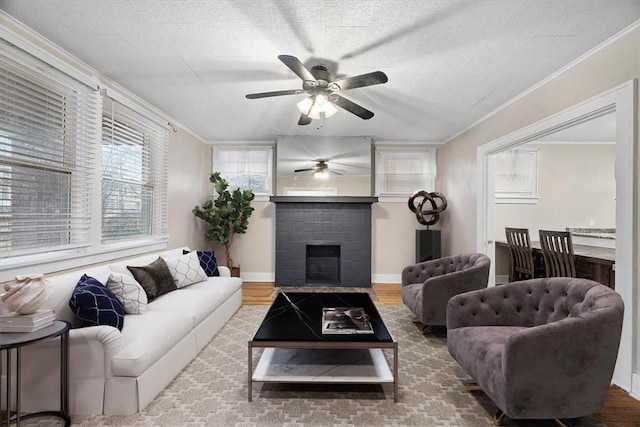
<point>386,278</point>
<point>502,279</point>
<point>258,277</point>
<point>635,386</point>
<point>271,277</point>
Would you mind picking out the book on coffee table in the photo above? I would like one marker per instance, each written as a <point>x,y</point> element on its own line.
<point>345,320</point>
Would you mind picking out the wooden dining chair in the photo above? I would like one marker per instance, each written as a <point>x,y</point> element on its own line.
<point>521,265</point>
<point>557,251</point>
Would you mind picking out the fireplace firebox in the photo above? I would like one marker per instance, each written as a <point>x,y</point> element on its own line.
<point>323,265</point>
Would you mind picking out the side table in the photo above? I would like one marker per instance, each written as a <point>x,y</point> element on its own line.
<point>13,340</point>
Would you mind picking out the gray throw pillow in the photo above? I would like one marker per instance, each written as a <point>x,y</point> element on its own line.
<point>154,278</point>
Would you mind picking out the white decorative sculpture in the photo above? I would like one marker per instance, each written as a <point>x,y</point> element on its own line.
<point>26,295</point>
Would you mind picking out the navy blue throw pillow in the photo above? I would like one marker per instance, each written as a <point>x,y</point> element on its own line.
<point>95,304</point>
<point>207,262</point>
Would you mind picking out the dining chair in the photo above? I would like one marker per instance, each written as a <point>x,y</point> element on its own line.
<point>557,251</point>
<point>521,265</point>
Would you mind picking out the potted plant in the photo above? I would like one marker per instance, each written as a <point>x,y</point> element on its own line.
<point>227,215</point>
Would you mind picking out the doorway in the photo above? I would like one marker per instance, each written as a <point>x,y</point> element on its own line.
<point>620,101</point>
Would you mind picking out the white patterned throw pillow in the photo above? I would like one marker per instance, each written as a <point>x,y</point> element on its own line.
<point>128,292</point>
<point>186,269</point>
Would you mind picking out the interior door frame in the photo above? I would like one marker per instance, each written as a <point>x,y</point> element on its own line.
<point>621,100</point>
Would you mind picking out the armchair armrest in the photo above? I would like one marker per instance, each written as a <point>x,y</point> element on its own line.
<point>560,358</point>
<point>224,271</point>
<point>443,287</point>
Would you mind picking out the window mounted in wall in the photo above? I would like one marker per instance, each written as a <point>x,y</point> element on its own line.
<point>61,141</point>
<point>516,176</point>
<point>134,166</point>
<point>246,167</point>
<point>46,159</point>
<point>400,171</point>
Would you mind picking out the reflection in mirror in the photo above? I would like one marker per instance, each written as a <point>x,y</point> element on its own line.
<point>323,166</point>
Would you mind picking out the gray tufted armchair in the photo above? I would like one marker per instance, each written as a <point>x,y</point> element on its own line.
<point>427,286</point>
<point>540,348</point>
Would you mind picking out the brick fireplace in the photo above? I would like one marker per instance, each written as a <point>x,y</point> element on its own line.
<point>323,241</point>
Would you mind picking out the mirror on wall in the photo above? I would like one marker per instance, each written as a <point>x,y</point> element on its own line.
<point>323,166</point>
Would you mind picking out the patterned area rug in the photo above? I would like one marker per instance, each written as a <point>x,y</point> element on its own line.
<point>332,289</point>
<point>212,390</point>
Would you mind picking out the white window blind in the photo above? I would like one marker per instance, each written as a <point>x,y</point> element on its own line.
<point>48,140</point>
<point>516,176</point>
<point>134,175</point>
<point>247,168</point>
<point>401,171</point>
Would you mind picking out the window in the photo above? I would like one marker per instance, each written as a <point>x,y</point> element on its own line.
<point>133,184</point>
<point>247,168</point>
<point>401,171</point>
<point>517,176</point>
<point>45,156</point>
<point>55,155</point>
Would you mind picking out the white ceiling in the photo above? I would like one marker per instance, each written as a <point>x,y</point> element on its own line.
<point>449,63</point>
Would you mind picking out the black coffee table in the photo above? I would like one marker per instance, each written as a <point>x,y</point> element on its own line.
<point>296,350</point>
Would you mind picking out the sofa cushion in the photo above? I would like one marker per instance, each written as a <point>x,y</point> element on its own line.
<point>186,270</point>
<point>155,278</point>
<point>226,284</point>
<point>146,339</point>
<point>95,304</point>
<point>195,303</point>
<point>129,292</point>
<point>208,262</point>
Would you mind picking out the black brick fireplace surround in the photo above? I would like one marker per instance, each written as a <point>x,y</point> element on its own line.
<point>343,222</point>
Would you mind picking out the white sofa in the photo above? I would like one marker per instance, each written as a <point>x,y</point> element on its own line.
<point>120,372</point>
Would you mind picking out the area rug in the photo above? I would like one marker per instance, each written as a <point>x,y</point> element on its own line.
<point>327,289</point>
<point>212,390</point>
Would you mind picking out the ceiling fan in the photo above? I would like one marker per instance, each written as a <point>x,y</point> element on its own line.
<point>320,170</point>
<point>322,89</point>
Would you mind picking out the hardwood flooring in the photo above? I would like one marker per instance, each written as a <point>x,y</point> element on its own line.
<point>620,409</point>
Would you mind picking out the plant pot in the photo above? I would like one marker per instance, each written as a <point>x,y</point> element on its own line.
<point>235,271</point>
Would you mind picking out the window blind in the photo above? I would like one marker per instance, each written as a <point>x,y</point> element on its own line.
<point>401,171</point>
<point>247,168</point>
<point>48,140</point>
<point>134,175</point>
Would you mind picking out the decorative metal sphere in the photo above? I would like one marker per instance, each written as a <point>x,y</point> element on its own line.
<point>427,216</point>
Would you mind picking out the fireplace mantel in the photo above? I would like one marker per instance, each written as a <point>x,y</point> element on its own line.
<point>323,199</point>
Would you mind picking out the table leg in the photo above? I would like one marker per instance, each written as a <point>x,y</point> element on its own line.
<point>8,398</point>
<point>395,372</point>
<point>64,374</point>
<point>18,354</point>
<point>250,373</point>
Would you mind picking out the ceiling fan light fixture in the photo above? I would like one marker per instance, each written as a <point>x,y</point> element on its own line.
<point>317,107</point>
<point>321,174</point>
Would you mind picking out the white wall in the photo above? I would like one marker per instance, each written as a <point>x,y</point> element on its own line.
<point>576,184</point>
<point>614,64</point>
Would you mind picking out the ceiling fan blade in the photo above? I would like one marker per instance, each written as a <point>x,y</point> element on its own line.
<point>304,120</point>
<point>351,107</point>
<point>276,93</point>
<point>304,170</point>
<point>297,67</point>
<point>369,79</point>
<point>334,171</point>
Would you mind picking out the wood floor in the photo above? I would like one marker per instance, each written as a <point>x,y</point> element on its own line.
<point>620,409</point>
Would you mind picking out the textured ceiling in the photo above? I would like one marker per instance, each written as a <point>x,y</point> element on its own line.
<point>449,63</point>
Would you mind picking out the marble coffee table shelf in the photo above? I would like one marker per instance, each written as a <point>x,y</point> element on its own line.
<point>329,366</point>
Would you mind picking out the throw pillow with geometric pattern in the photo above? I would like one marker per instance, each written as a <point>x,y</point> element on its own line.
<point>95,304</point>
<point>208,262</point>
<point>186,269</point>
<point>129,293</point>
